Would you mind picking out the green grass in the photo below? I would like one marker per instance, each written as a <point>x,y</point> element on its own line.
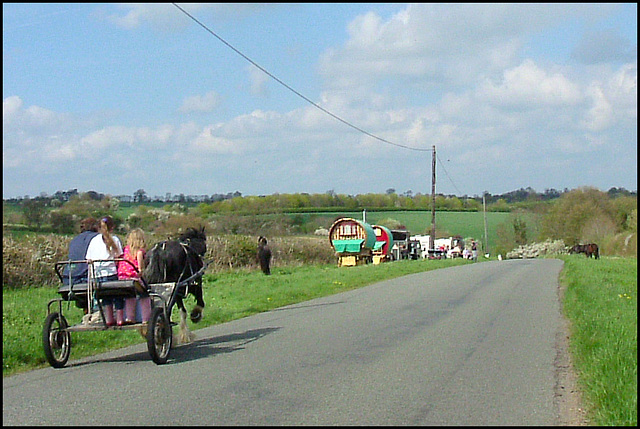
<point>601,304</point>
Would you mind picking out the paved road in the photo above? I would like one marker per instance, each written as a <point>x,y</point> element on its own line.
<point>458,346</point>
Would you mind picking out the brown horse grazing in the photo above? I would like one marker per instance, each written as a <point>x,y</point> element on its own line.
<point>589,250</point>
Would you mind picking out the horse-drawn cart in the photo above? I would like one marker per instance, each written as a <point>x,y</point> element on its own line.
<point>89,295</point>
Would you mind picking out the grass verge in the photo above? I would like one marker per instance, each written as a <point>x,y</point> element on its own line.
<point>601,304</point>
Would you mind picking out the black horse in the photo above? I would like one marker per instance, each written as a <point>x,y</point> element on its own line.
<point>264,255</point>
<point>589,250</point>
<point>176,261</point>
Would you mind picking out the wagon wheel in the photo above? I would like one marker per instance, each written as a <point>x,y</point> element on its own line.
<point>56,340</point>
<point>159,336</point>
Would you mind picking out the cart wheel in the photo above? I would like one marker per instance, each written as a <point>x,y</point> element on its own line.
<point>56,340</point>
<point>159,336</point>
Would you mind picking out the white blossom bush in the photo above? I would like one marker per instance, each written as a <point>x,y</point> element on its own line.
<point>534,250</point>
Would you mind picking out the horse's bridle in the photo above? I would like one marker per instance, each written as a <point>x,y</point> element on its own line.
<point>186,246</point>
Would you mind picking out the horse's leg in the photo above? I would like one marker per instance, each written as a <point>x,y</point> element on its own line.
<point>196,313</point>
<point>185,335</point>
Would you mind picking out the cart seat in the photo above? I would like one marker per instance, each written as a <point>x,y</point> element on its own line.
<point>109,289</point>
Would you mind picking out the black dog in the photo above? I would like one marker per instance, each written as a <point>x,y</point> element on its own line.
<point>264,255</point>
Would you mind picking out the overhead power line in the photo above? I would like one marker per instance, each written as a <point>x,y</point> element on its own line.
<point>294,91</point>
<point>447,173</point>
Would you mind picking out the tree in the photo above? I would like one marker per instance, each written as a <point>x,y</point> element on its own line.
<point>33,211</point>
<point>571,217</point>
<point>139,196</point>
<point>519,230</point>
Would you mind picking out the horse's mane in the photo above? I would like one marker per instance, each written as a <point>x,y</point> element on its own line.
<point>192,233</point>
<point>167,258</point>
<point>196,239</point>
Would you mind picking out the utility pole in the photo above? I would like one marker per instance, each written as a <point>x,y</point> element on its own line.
<point>433,199</point>
<point>484,209</point>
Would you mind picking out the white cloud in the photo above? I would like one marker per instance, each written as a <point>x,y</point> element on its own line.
<point>201,103</point>
<point>167,17</point>
<point>209,143</point>
<point>15,118</point>
<point>614,101</point>
<point>623,90</point>
<point>600,115</point>
<point>432,46</point>
<point>33,137</point>
<point>258,81</point>
<point>10,107</point>
<point>529,86</point>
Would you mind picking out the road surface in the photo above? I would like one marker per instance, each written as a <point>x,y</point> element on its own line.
<point>468,345</point>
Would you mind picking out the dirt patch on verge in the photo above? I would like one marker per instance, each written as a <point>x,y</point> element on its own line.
<point>567,397</point>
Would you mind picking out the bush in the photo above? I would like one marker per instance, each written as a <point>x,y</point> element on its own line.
<point>175,225</point>
<point>29,261</point>
<point>576,214</point>
<point>62,223</point>
<point>239,251</point>
<point>535,250</point>
<point>232,251</point>
<point>624,244</point>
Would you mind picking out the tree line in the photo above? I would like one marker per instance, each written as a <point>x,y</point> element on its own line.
<point>580,215</point>
<point>389,199</point>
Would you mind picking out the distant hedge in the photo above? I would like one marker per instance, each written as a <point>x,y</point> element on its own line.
<point>28,259</point>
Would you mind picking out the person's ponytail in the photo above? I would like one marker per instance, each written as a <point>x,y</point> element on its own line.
<point>106,226</point>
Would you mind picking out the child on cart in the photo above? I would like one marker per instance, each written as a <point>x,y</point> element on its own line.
<point>134,252</point>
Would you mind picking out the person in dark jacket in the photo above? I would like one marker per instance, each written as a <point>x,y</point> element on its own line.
<point>78,251</point>
<point>264,255</point>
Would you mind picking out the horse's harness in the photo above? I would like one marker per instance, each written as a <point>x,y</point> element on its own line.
<point>186,246</point>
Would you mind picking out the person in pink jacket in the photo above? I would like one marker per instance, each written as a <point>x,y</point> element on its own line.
<point>134,251</point>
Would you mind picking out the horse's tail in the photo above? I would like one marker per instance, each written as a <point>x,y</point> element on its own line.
<point>595,250</point>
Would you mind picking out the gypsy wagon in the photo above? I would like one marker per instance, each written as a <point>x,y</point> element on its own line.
<point>353,241</point>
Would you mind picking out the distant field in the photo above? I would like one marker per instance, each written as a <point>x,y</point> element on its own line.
<point>466,224</point>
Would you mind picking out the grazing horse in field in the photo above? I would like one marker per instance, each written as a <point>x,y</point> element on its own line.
<point>589,250</point>
<point>176,261</point>
<point>264,255</point>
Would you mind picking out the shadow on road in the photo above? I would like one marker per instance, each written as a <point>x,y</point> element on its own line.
<point>216,345</point>
<point>196,350</point>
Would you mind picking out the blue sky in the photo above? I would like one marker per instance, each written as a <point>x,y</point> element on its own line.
<point>115,98</point>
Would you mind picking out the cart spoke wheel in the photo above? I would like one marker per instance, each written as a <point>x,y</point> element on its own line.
<point>159,336</point>
<point>56,340</point>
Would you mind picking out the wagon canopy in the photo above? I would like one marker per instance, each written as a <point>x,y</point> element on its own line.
<point>349,235</point>
<point>384,239</point>
<point>350,246</point>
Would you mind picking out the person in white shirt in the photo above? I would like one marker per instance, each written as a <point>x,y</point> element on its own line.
<point>106,245</point>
